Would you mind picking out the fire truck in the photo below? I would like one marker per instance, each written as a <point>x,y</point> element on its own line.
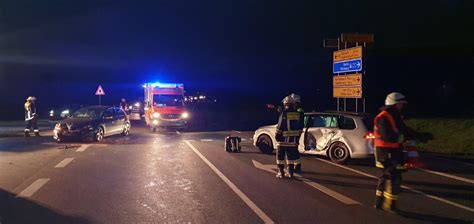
<point>164,106</point>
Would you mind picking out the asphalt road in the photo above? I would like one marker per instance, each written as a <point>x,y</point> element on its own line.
<point>173,177</point>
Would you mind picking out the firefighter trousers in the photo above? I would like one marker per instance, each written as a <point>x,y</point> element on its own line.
<point>290,152</point>
<point>389,181</point>
<point>33,123</point>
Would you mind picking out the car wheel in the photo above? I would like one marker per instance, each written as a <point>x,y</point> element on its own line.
<point>339,153</point>
<point>99,135</point>
<point>126,129</point>
<point>264,143</point>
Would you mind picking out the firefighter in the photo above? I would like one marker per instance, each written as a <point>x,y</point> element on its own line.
<point>124,105</point>
<point>389,131</point>
<point>300,110</point>
<point>289,128</point>
<point>31,118</point>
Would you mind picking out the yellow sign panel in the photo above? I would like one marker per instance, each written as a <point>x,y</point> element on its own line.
<point>347,92</point>
<point>347,80</point>
<point>347,54</point>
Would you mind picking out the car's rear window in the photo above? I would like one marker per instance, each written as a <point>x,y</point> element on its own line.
<point>346,123</point>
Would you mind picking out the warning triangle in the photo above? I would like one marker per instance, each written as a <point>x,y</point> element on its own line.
<point>100,91</point>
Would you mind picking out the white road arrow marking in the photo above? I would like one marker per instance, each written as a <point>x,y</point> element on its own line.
<point>342,198</point>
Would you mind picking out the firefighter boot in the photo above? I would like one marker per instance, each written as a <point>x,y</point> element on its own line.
<point>291,171</point>
<point>281,170</point>
<point>37,134</point>
<point>378,202</point>
<point>27,134</point>
<point>298,168</point>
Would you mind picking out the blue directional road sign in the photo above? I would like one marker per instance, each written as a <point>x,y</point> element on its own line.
<point>353,65</point>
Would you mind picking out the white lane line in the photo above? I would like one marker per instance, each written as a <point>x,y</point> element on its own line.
<point>244,139</point>
<point>264,217</point>
<point>82,148</point>
<point>449,176</point>
<point>207,140</point>
<point>405,187</point>
<point>236,131</point>
<point>177,132</point>
<point>33,188</point>
<point>64,163</point>
<point>336,195</point>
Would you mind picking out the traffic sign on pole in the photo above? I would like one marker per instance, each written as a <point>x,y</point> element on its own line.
<point>353,65</point>
<point>357,37</point>
<point>99,91</point>
<point>347,54</point>
<point>347,92</point>
<point>347,80</point>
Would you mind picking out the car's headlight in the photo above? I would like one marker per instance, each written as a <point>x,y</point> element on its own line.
<point>156,115</point>
<point>185,115</point>
<point>137,104</point>
<point>51,113</point>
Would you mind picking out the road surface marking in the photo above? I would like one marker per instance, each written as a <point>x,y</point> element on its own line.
<point>244,139</point>
<point>449,176</point>
<point>64,163</point>
<point>265,218</point>
<point>207,140</point>
<point>33,188</point>
<point>177,132</point>
<point>236,131</point>
<point>404,187</point>
<point>82,148</point>
<point>340,197</point>
<point>450,160</point>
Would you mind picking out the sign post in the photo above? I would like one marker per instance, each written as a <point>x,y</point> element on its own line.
<point>100,92</point>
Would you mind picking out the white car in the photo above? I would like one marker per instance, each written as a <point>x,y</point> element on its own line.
<point>337,135</point>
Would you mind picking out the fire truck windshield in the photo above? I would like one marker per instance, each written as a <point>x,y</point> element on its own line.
<point>167,100</point>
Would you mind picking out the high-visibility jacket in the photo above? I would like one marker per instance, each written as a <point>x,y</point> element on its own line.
<point>289,127</point>
<point>30,111</point>
<point>388,130</point>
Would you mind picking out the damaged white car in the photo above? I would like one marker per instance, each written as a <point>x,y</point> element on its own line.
<point>337,135</point>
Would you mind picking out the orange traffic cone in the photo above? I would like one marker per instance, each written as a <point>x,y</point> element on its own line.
<point>413,157</point>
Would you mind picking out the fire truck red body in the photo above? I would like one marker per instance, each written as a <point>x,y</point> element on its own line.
<point>164,105</point>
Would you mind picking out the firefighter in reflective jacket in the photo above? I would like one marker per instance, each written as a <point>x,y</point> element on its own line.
<point>289,128</point>
<point>389,131</point>
<point>31,118</point>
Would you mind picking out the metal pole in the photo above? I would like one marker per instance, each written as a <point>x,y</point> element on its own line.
<point>100,103</point>
<point>338,48</point>
<point>363,104</point>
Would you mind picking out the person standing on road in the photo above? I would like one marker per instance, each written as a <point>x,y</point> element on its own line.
<point>389,133</point>
<point>289,128</point>
<point>31,118</point>
<point>124,106</point>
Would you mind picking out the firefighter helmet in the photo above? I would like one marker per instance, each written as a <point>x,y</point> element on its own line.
<point>394,98</point>
<point>31,98</point>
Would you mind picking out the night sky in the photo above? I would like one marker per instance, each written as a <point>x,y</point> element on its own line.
<point>243,52</point>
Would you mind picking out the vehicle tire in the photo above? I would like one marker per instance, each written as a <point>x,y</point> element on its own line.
<point>126,129</point>
<point>99,135</point>
<point>264,143</point>
<point>338,153</point>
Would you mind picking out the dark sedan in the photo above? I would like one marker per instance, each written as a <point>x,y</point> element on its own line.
<point>94,123</point>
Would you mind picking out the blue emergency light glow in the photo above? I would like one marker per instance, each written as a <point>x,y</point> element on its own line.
<point>164,85</point>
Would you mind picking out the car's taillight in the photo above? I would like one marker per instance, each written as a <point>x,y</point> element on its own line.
<point>369,135</point>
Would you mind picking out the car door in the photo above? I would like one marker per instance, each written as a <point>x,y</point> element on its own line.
<point>120,118</point>
<point>109,122</point>
<point>321,129</point>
